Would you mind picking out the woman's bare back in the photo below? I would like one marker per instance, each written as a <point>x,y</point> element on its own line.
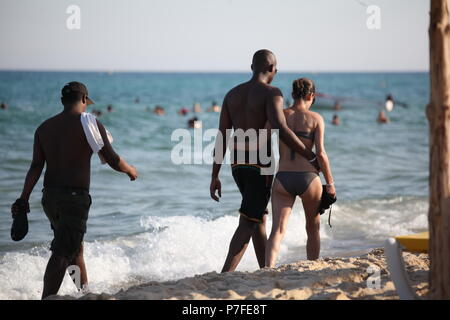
<point>304,124</point>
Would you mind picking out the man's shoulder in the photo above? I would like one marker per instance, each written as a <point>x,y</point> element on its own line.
<point>273,91</point>
<point>47,123</point>
<point>100,125</point>
<point>237,89</point>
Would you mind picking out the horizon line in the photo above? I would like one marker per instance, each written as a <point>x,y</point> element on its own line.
<point>111,71</point>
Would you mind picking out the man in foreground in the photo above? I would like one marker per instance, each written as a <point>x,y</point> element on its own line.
<point>60,143</point>
<point>249,106</point>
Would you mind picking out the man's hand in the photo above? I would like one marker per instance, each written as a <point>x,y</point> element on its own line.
<point>316,164</point>
<point>20,206</point>
<point>132,173</point>
<point>215,185</point>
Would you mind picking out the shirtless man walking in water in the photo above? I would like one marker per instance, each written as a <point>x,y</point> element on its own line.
<point>249,106</point>
<point>61,145</point>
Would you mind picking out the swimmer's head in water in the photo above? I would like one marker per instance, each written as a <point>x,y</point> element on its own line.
<point>264,61</point>
<point>303,89</point>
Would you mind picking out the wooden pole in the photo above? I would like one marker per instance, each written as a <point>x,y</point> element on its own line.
<point>438,114</point>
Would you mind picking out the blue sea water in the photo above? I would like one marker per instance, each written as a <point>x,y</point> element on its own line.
<point>164,225</point>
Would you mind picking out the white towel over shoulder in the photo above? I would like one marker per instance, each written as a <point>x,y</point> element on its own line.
<point>93,136</point>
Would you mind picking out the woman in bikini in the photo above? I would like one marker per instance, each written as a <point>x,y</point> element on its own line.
<point>298,177</point>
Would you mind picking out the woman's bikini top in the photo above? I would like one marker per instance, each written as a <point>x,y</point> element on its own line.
<point>303,134</point>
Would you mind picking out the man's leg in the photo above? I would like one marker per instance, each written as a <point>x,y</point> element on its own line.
<point>259,239</point>
<point>239,243</point>
<point>79,261</point>
<point>259,199</point>
<point>54,274</point>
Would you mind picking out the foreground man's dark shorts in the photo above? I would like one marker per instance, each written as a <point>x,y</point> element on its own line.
<point>255,189</point>
<point>67,210</point>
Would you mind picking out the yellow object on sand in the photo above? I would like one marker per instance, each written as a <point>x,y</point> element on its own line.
<point>415,242</point>
<point>393,247</point>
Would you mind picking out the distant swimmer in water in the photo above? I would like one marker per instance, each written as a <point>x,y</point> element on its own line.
<point>382,118</point>
<point>214,108</point>
<point>336,120</point>
<point>197,108</point>
<point>64,147</point>
<point>3,106</point>
<point>194,123</point>
<point>337,106</point>
<point>97,113</point>
<point>183,111</point>
<point>389,104</point>
<point>297,177</point>
<point>159,111</point>
<point>109,108</point>
<point>136,100</point>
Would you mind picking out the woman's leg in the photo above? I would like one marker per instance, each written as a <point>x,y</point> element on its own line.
<point>282,202</point>
<point>311,203</point>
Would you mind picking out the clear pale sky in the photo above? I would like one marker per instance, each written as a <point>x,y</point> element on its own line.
<point>213,35</point>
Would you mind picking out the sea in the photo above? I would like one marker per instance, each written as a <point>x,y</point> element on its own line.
<point>164,226</point>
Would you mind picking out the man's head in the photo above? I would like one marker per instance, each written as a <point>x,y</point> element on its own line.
<point>264,62</point>
<point>75,93</point>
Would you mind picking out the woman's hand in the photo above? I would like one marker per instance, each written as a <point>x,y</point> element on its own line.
<point>331,190</point>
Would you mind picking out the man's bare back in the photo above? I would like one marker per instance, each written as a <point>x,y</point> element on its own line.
<point>247,104</point>
<point>66,150</point>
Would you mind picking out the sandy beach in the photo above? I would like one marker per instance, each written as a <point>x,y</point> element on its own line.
<point>342,278</point>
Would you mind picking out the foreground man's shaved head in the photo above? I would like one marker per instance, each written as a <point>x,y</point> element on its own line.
<point>262,60</point>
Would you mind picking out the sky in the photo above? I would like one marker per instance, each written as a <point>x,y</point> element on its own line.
<point>213,35</point>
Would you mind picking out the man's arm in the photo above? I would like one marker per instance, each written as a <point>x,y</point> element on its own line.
<point>221,146</point>
<point>34,173</point>
<point>277,120</point>
<point>112,158</point>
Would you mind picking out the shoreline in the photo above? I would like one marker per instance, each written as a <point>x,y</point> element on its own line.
<point>333,278</point>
